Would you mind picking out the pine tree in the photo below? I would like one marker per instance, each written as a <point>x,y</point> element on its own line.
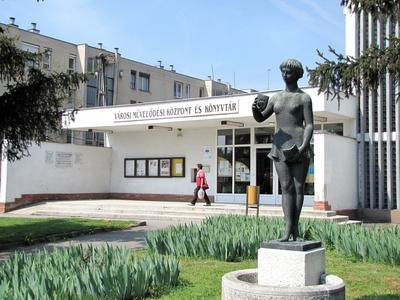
<point>347,74</point>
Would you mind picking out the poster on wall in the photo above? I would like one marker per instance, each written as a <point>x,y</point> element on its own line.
<point>129,167</point>
<point>207,153</point>
<point>64,159</point>
<point>224,167</point>
<point>141,167</point>
<point>153,167</point>
<point>178,167</point>
<point>165,167</point>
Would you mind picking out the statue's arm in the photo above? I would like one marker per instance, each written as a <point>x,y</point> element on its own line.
<point>262,108</point>
<point>308,123</point>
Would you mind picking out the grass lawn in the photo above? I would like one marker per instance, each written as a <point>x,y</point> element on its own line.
<point>32,230</point>
<point>201,279</point>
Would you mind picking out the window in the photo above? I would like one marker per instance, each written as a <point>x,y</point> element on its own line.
<point>242,169</point>
<point>225,137</point>
<point>144,82</point>
<point>334,128</point>
<point>91,65</point>
<point>224,169</point>
<point>218,93</point>
<point>264,135</point>
<point>91,88</point>
<point>46,60</point>
<point>187,91</point>
<point>72,63</point>
<point>201,92</point>
<point>178,87</point>
<point>242,136</point>
<point>109,91</point>
<point>94,138</point>
<point>91,96</point>
<point>132,81</point>
<point>31,49</point>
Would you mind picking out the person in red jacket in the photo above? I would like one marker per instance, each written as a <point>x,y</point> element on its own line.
<point>201,183</point>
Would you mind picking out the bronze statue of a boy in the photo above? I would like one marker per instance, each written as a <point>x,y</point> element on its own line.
<point>291,151</point>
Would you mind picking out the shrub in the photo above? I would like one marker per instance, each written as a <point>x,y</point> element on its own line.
<point>85,272</point>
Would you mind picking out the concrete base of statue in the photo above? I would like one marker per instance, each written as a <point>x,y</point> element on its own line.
<point>286,270</point>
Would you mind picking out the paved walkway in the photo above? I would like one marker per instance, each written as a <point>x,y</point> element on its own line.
<point>133,238</point>
<point>156,214</point>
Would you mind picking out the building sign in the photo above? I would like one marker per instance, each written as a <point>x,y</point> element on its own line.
<point>177,110</point>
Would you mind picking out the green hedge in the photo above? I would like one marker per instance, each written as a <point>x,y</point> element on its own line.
<point>233,238</point>
<point>85,273</point>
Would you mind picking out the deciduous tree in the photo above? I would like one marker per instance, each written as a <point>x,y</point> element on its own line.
<point>31,100</point>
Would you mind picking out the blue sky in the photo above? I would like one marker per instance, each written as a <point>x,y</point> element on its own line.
<point>239,40</point>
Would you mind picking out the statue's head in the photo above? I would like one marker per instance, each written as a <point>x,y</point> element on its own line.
<point>293,65</point>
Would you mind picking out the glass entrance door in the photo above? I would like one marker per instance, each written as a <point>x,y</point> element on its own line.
<point>265,176</point>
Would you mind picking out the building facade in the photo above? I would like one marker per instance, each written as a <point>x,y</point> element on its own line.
<point>158,124</point>
<point>378,118</point>
<point>112,78</point>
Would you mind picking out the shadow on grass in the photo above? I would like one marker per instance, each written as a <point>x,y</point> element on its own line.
<point>31,231</point>
<point>380,297</point>
<point>166,290</point>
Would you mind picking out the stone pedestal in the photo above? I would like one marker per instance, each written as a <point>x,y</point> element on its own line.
<point>291,264</point>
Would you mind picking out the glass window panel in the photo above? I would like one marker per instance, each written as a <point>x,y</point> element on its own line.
<point>71,63</point>
<point>144,82</point>
<point>109,97</point>
<point>187,91</point>
<point>334,128</point>
<point>242,169</point>
<point>264,135</point>
<point>178,89</point>
<point>224,137</point>
<point>91,96</point>
<point>242,136</point>
<point>133,80</point>
<point>224,170</point>
<point>317,127</point>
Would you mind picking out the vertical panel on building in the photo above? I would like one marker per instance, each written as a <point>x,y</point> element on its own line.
<point>388,129</point>
<point>371,121</point>
<point>360,45</point>
<point>378,105</point>
<point>397,136</point>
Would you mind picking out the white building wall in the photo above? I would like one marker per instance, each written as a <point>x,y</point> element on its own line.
<point>160,144</point>
<point>57,168</point>
<point>335,170</point>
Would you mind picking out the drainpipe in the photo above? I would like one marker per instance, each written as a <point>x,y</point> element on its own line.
<point>116,76</point>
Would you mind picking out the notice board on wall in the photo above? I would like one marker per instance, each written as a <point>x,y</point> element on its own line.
<point>154,167</point>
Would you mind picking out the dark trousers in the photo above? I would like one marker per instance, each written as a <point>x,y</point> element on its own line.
<point>195,196</point>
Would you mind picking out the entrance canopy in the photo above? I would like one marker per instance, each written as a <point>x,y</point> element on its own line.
<point>232,110</point>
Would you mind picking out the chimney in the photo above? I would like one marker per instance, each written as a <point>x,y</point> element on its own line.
<point>219,80</point>
<point>34,29</point>
<point>100,45</point>
<point>12,22</point>
<point>171,68</point>
<point>209,77</point>
<point>160,66</point>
